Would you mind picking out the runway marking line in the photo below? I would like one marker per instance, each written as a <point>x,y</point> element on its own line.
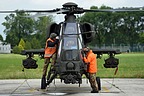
<point>106,89</point>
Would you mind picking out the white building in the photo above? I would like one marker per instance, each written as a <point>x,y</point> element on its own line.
<point>5,48</point>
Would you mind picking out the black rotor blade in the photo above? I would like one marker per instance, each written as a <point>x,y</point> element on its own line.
<point>6,11</point>
<point>115,10</point>
<point>32,11</point>
<point>41,14</point>
<point>37,11</point>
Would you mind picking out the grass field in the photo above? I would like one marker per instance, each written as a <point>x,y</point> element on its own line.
<point>130,66</point>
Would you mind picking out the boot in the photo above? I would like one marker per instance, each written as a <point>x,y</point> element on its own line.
<point>94,91</point>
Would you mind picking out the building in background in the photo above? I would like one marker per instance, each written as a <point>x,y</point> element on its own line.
<point>5,48</point>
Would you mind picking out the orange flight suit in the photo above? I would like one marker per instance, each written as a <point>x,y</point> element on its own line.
<point>91,61</point>
<point>49,51</point>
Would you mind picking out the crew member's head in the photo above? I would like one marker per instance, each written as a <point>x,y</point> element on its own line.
<point>53,35</point>
<point>86,49</point>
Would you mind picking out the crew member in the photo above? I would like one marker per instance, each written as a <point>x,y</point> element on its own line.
<point>90,60</point>
<point>50,51</point>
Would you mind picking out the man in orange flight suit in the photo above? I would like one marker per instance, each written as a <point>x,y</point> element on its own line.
<point>90,60</point>
<point>50,52</point>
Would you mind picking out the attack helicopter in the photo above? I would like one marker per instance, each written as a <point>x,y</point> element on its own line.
<point>69,65</point>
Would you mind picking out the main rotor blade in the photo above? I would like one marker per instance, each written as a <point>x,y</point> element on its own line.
<point>37,11</point>
<point>58,10</point>
<point>41,14</point>
<point>6,11</point>
<point>115,10</point>
<point>36,15</point>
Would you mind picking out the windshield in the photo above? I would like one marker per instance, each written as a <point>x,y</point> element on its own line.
<point>70,43</point>
<point>70,28</point>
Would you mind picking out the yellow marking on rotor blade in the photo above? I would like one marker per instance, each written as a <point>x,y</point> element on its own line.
<point>106,89</point>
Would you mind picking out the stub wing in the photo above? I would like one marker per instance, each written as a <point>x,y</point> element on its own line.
<point>33,51</point>
<point>106,51</point>
<point>110,62</point>
<point>96,51</point>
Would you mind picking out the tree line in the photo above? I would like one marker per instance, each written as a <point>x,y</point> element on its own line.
<point>110,27</point>
<point>116,27</point>
<point>26,33</point>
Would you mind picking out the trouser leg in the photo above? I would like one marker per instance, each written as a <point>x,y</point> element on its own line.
<point>86,74</point>
<point>93,82</point>
<point>53,61</point>
<point>52,74</point>
<point>46,63</point>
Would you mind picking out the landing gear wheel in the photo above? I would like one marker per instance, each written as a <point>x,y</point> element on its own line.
<point>43,83</point>
<point>98,82</point>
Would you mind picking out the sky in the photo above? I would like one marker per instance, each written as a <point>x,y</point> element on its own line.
<point>52,4</point>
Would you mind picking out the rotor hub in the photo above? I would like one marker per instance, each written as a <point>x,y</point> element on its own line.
<point>69,5</point>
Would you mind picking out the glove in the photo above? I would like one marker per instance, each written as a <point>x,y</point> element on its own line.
<point>83,54</point>
<point>57,41</point>
<point>57,37</point>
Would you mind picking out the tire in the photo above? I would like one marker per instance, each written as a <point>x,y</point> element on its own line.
<point>98,82</point>
<point>43,83</point>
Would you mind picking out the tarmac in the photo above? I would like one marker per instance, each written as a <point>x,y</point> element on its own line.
<point>110,87</point>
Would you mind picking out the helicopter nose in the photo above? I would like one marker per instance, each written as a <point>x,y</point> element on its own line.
<point>70,66</point>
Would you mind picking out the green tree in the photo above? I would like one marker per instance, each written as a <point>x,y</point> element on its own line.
<point>1,38</point>
<point>22,44</point>
<point>20,47</point>
<point>35,44</point>
<point>41,28</point>
<point>28,45</point>
<point>17,27</point>
<point>115,27</point>
<point>16,49</point>
<point>141,39</point>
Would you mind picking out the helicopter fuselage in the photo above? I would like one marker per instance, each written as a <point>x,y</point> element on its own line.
<point>69,63</point>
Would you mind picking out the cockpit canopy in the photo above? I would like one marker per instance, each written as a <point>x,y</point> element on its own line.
<point>70,29</point>
<point>70,43</point>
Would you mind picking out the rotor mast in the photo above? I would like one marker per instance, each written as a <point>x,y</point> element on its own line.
<point>70,17</point>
